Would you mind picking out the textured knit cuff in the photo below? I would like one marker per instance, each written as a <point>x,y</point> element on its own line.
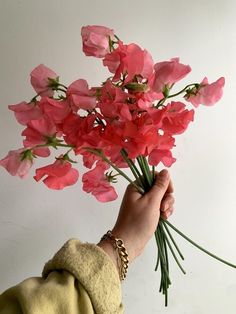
<point>94,270</point>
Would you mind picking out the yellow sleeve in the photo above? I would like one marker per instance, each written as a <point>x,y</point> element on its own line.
<point>80,279</point>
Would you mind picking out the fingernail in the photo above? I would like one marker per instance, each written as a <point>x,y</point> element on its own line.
<point>164,174</point>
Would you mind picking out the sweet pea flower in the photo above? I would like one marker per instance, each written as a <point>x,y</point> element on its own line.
<point>55,110</point>
<point>59,175</point>
<point>25,112</point>
<point>176,118</point>
<point>206,94</point>
<point>14,164</point>
<point>129,60</point>
<point>80,96</point>
<point>39,132</point>
<point>96,40</point>
<point>95,182</point>
<point>168,73</point>
<point>39,78</point>
<point>81,131</point>
<point>164,156</point>
<point>162,152</point>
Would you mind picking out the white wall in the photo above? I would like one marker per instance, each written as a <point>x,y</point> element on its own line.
<point>36,221</point>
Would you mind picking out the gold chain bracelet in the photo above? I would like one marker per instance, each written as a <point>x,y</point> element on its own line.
<point>122,253</point>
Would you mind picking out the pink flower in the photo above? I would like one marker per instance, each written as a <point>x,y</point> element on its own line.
<point>14,165</point>
<point>176,118</point>
<point>25,112</point>
<point>206,94</point>
<point>164,156</point>
<point>40,80</point>
<point>168,73</point>
<point>129,60</point>
<point>89,159</point>
<point>95,182</point>
<point>80,131</point>
<point>39,132</point>
<point>96,40</point>
<point>162,151</point>
<point>58,175</point>
<point>55,110</point>
<point>80,96</point>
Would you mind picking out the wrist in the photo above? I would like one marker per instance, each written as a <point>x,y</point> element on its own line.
<point>131,243</point>
<point>115,248</point>
<point>109,250</point>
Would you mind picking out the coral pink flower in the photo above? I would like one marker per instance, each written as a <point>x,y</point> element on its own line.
<point>176,118</point>
<point>81,131</point>
<point>55,110</point>
<point>39,132</point>
<point>58,175</point>
<point>130,60</point>
<point>14,165</point>
<point>168,73</point>
<point>96,40</point>
<point>25,112</point>
<point>39,79</point>
<point>164,156</point>
<point>89,159</point>
<point>162,151</point>
<point>80,96</point>
<point>138,137</point>
<point>207,94</point>
<point>95,182</point>
<point>145,100</point>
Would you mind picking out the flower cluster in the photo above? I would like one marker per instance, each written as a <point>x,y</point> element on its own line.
<point>129,121</point>
<point>130,118</point>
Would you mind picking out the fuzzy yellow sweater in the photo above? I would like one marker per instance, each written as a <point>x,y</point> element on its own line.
<point>80,279</point>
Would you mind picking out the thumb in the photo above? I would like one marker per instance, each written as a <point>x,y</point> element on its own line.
<point>159,187</point>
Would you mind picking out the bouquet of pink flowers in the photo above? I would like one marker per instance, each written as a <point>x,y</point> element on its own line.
<point>129,121</point>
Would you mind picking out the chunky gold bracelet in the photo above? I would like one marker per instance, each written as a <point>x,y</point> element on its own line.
<point>123,261</point>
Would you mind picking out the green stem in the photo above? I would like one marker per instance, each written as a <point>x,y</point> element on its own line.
<point>171,249</point>
<point>158,255</point>
<point>173,241</point>
<point>144,171</point>
<point>162,257</point>
<point>196,245</point>
<point>146,165</point>
<point>133,168</point>
<point>60,145</point>
<point>153,173</point>
<point>160,103</point>
<point>183,90</point>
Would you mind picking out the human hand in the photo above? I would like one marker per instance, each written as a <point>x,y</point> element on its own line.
<point>139,214</point>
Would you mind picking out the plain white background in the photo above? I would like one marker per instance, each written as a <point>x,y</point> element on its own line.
<point>35,221</point>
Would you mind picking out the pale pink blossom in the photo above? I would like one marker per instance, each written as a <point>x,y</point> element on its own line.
<point>25,112</point>
<point>14,164</point>
<point>39,79</point>
<point>37,131</point>
<point>96,40</point>
<point>80,96</point>
<point>168,73</point>
<point>206,94</point>
<point>55,110</point>
<point>59,175</point>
